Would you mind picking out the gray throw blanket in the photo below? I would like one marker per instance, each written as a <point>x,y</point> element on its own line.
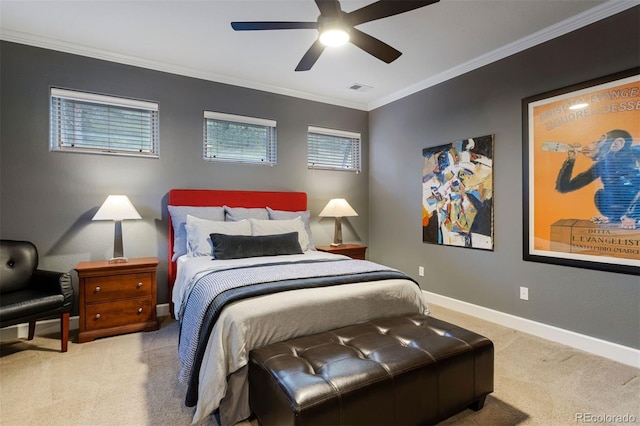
<point>214,290</point>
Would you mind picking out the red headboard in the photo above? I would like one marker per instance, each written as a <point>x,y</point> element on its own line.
<point>289,201</point>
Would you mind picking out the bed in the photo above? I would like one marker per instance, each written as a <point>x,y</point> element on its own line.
<point>230,298</point>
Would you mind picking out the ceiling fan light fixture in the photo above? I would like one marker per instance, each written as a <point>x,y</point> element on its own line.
<point>334,36</point>
<point>337,27</point>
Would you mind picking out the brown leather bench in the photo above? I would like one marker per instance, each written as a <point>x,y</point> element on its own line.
<point>406,370</point>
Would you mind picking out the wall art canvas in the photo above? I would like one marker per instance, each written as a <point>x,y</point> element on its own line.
<point>581,175</point>
<point>457,193</point>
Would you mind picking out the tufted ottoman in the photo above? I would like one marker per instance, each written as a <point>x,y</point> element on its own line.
<point>406,370</point>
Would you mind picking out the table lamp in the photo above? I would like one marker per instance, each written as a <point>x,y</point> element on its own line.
<point>117,208</point>
<point>338,208</point>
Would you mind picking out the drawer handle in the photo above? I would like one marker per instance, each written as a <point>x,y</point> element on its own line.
<point>139,310</point>
<point>98,289</point>
<point>97,316</point>
<point>139,285</point>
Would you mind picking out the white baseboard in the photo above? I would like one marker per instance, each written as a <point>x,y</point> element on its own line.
<point>162,310</point>
<point>50,326</point>
<point>603,348</point>
<point>43,327</point>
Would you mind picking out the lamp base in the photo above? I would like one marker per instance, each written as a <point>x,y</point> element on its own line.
<point>337,233</point>
<point>118,260</point>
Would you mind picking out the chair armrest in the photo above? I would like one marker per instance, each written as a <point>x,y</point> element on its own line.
<point>56,283</point>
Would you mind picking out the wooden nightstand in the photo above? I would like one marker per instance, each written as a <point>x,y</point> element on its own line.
<point>354,251</point>
<point>117,298</point>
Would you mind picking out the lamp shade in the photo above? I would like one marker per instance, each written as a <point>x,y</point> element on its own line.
<point>338,207</point>
<point>116,207</point>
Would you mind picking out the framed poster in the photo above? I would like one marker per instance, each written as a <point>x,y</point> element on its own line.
<point>457,193</point>
<point>581,175</point>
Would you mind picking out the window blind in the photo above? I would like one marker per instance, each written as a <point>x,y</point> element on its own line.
<point>87,122</point>
<point>333,149</point>
<point>239,139</point>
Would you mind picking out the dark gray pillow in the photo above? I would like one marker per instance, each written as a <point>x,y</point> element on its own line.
<point>239,246</point>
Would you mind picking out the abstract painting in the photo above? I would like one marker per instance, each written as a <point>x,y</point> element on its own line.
<point>457,193</point>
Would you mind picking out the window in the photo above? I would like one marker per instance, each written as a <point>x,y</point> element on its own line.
<point>333,149</point>
<point>87,122</point>
<point>239,139</point>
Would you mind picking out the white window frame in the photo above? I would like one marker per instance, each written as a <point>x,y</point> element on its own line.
<point>270,156</point>
<point>65,106</point>
<point>351,161</point>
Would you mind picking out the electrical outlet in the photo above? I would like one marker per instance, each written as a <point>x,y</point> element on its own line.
<point>421,271</point>
<point>524,293</point>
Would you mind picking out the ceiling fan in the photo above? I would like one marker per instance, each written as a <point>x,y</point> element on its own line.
<point>336,27</point>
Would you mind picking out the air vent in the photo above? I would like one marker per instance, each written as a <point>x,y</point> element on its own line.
<point>360,87</point>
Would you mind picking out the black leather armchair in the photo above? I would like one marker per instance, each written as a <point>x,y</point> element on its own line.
<point>28,293</point>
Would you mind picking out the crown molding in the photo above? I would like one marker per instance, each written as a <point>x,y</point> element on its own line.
<point>578,21</point>
<point>82,50</point>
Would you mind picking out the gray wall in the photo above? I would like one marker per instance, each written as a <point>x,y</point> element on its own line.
<point>488,101</point>
<point>50,198</point>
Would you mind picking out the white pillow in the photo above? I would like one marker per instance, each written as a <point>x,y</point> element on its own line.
<point>273,227</point>
<point>179,221</point>
<point>305,215</point>
<point>198,230</point>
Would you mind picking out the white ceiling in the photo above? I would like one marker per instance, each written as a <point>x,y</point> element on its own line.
<point>194,38</point>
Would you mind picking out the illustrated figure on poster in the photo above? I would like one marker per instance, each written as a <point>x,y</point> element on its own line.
<point>457,186</point>
<point>616,162</point>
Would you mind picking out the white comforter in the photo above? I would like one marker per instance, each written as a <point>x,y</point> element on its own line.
<point>255,322</point>
<point>191,269</point>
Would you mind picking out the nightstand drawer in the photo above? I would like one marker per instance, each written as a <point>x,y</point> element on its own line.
<point>112,287</point>
<point>104,315</point>
<point>354,251</point>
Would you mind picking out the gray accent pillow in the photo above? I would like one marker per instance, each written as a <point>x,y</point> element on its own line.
<point>179,220</point>
<point>241,246</point>
<point>286,215</point>
<point>235,214</point>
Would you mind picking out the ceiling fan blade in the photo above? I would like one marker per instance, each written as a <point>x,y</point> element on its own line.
<point>383,9</point>
<point>273,25</point>
<point>373,46</point>
<point>329,8</point>
<point>311,56</point>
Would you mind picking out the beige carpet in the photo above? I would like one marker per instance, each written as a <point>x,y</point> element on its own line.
<point>132,380</point>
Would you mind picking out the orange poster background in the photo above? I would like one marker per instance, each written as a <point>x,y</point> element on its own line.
<point>553,121</point>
